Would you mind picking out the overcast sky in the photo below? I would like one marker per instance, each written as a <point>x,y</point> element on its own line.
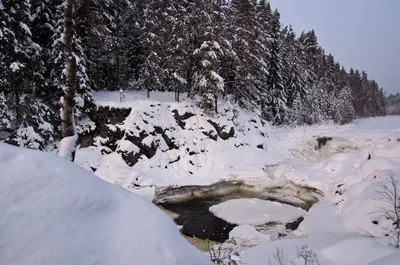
<point>363,34</point>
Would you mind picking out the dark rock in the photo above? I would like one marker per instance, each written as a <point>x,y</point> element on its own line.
<point>187,115</point>
<point>180,118</point>
<point>322,141</point>
<point>169,141</point>
<point>158,130</point>
<point>220,130</point>
<point>294,225</point>
<point>369,157</point>
<point>211,135</point>
<point>93,169</point>
<point>176,160</point>
<point>149,151</point>
<point>375,222</point>
<point>102,117</point>
<point>103,151</point>
<point>131,158</point>
<point>260,146</point>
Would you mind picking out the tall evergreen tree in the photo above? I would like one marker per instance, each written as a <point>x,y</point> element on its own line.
<point>277,98</point>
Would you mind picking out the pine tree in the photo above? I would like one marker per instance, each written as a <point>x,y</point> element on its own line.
<point>18,52</point>
<point>295,77</point>
<point>241,36</point>
<point>42,27</point>
<point>277,99</point>
<point>151,40</point>
<point>208,83</point>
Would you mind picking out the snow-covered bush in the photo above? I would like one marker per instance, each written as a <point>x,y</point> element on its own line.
<point>304,255</point>
<point>32,124</point>
<point>388,192</point>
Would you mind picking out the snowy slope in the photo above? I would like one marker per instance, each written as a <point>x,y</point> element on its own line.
<point>54,212</point>
<point>191,150</point>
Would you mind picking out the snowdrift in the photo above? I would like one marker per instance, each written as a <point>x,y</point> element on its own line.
<point>54,212</point>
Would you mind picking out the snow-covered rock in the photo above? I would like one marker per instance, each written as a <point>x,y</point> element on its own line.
<point>247,235</point>
<point>175,143</point>
<point>54,212</point>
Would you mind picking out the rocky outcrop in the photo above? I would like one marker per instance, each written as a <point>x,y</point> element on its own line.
<point>110,130</point>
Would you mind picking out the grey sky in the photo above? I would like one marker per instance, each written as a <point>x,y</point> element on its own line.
<point>363,34</point>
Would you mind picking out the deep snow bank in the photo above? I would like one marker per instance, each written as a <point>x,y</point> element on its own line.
<point>53,212</point>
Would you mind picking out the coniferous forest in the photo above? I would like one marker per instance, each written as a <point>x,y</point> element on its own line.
<point>209,49</point>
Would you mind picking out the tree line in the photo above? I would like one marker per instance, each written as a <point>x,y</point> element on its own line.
<point>234,50</point>
<point>393,104</point>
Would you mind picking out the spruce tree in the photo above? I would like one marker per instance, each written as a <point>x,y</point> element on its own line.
<point>277,99</point>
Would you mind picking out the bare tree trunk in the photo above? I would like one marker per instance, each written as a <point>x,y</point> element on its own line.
<point>68,143</point>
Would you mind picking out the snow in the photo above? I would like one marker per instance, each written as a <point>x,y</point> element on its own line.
<point>365,251</point>
<point>347,170</point>
<point>16,66</point>
<point>54,212</point>
<point>232,158</point>
<point>68,146</point>
<point>25,28</point>
<point>247,235</point>
<point>256,212</point>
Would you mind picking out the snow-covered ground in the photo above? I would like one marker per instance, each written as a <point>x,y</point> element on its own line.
<point>168,143</point>
<point>342,228</point>
<point>54,212</point>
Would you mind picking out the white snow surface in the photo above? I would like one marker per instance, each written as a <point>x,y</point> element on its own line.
<point>247,235</point>
<point>68,146</point>
<point>342,229</point>
<point>256,212</point>
<point>54,212</point>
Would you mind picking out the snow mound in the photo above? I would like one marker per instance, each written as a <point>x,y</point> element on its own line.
<point>356,251</point>
<point>256,212</point>
<point>54,212</point>
<point>388,260</point>
<point>247,235</point>
<point>361,211</point>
